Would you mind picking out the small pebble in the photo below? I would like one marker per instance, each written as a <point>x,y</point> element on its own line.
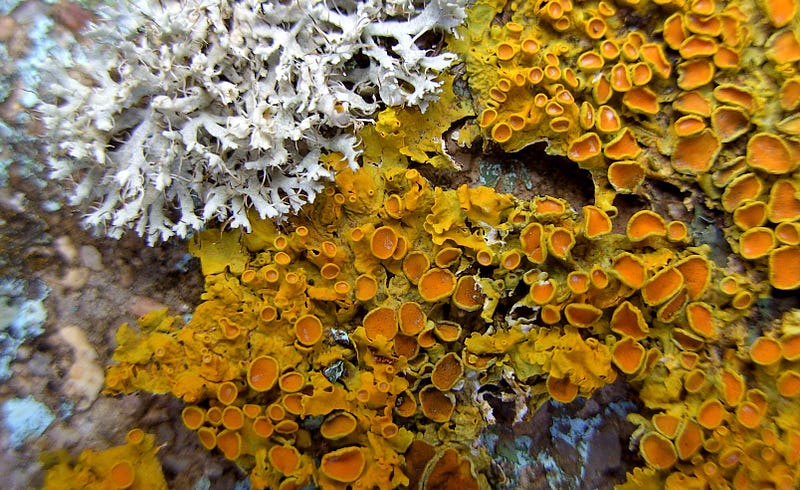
<point>66,249</point>
<point>7,27</point>
<point>85,378</point>
<point>51,206</point>
<point>75,278</point>
<point>91,258</point>
<point>141,305</point>
<point>28,99</point>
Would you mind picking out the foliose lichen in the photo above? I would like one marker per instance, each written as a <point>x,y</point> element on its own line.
<point>25,418</point>
<point>182,113</point>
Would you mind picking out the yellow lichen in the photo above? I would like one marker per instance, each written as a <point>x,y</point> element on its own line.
<point>132,465</point>
<point>372,319</point>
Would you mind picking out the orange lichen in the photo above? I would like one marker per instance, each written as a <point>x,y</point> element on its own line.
<point>654,55</point>
<point>230,443</point>
<point>542,292</point>
<point>788,233</point>
<point>436,284</point>
<point>735,95</point>
<point>674,31</point>
<point>607,119</point>
<point>585,148</point>
<point>701,319</point>
<point>697,46</point>
<point>291,382</point>
<point>121,475</point>
<point>366,287</point>
<point>748,414</point>
<point>662,286</point>
<point>689,125</point>
<point>533,242</point>
<point>623,146</point>
<point>658,451</point>
<point>628,320</point>
<point>338,425</point>
<point>560,241</point>
<point>784,267</point>
<point>329,271</point>
<point>784,201</point>
<point>644,224</point>
<point>447,372</point>
<point>232,418</point>
<point>784,47</point>
<point>446,257</point>
<point>689,439</point>
<point>343,465</point>
<point>262,373</point>
<point>590,61</point>
<point>711,414</point>
<point>743,188</point>
<point>285,459</point>
<point>411,318</point>
<point>732,387</point>
<point>435,404</point>
<point>561,389</point>
<point>207,437</point>
<point>227,392</point>
<point>693,102</point>
<point>383,242</point>
<point>667,424</point>
<point>750,215</point>
<point>451,470</point>
<point>641,100</point>
<point>696,153</point>
<point>790,345</point>
<point>381,321</point>
<point>578,282</point>
<point>729,123</point>
<point>550,314</point>
<point>407,348</point>
<point>756,242</point>
<point>788,384</point>
<point>727,58</point>
<point>695,380</point>
<point>468,295</point>
<point>308,330</point>
<point>625,176</point>
<point>629,269</point>
<point>193,417</point>
<point>447,331</point>
<point>765,351</point>
<point>582,314</point>
<point>595,222</point>
<point>677,231</point>
<point>628,355</point>
<point>695,74</point>
<point>511,259</point>
<point>790,94</point>
<point>770,153</point>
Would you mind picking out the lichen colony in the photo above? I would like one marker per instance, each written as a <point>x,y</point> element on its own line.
<point>350,344</point>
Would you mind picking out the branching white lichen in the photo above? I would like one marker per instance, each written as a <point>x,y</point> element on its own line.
<point>182,113</point>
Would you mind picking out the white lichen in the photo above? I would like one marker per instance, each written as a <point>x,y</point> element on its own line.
<point>178,113</point>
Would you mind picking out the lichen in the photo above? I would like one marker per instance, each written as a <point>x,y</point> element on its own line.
<point>380,318</point>
<point>25,418</point>
<point>22,317</point>
<point>195,106</point>
<point>577,307</point>
<point>131,465</point>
